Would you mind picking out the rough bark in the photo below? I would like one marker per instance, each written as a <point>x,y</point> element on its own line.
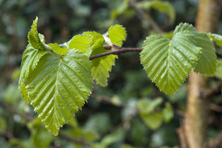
<point>196,119</point>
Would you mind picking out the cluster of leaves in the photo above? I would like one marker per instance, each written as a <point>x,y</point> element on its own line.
<point>57,79</point>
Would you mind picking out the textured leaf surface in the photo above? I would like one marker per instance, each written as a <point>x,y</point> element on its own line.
<point>218,73</point>
<point>81,42</point>
<point>117,34</point>
<point>207,62</point>
<point>57,49</point>
<point>34,37</point>
<point>30,60</point>
<point>216,38</point>
<point>168,62</point>
<point>103,65</point>
<point>161,6</point>
<point>58,87</point>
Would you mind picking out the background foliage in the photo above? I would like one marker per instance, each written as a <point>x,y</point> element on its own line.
<point>130,111</point>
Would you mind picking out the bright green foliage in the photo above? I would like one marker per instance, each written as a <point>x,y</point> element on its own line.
<point>33,37</point>
<point>216,38</point>
<point>81,42</point>
<point>161,6</point>
<point>207,62</point>
<point>166,62</point>
<point>103,65</point>
<point>218,73</point>
<point>58,87</point>
<point>57,49</point>
<point>117,34</point>
<point>30,59</point>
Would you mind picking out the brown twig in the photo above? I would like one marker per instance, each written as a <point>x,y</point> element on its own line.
<point>121,50</point>
<point>216,108</point>
<point>107,99</point>
<point>219,55</point>
<point>78,141</point>
<point>209,92</point>
<point>146,17</point>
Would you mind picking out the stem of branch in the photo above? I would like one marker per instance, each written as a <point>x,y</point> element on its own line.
<point>146,17</point>
<point>121,50</point>
<point>209,92</point>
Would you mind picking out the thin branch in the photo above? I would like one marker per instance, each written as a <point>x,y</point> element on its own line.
<point>14,111</point>
<point>121,50</point>
<point>209,92</point>
<point>219,55</point>
<point>79,141</point>
<point>30,118</point>
<point>107,99</point>
<point>216,108</point>
<point>146,17</point>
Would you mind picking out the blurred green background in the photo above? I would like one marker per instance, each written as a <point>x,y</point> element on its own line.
<point>130,112</point>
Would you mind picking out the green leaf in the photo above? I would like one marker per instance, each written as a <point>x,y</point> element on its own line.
<point>168,62</point>
<point>101,68</point>
<point>58,87</point>
<point>117,34</point>
<point>103,65</point>
<point>57,49</point>
<point>184,27</point>
<point>152,120</point>
<point>82,43</point>
<point>167,112</point>
<point>30,59</point>
<point>216,38</point>
<point>147,105</point>
<point>218,73</point>
<point>161,6</point>
<point>207,62</point>
<point>36,39</point>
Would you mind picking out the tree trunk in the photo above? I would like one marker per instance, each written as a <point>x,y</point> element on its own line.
<point>196,119</point>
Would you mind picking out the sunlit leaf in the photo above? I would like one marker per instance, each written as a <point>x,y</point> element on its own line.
<point>168,62</point>
<point>167,112</point>
<point>57,49</point>
<point>117,34</point>
<point>58,87</point>
<point>216,38</point>
<point>152,120</point>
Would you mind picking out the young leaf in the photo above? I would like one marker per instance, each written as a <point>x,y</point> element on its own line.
<point>117,34</point>
<point>216,38</point>
<point>168,62</point>
<point>218,73</point>
<point>103,65</point>
<point>81,42</point>
<point>161,6</point>
<point>30,59</point>
<point>34,37</point>
<point>57,49</point>
<point>58,87</point>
